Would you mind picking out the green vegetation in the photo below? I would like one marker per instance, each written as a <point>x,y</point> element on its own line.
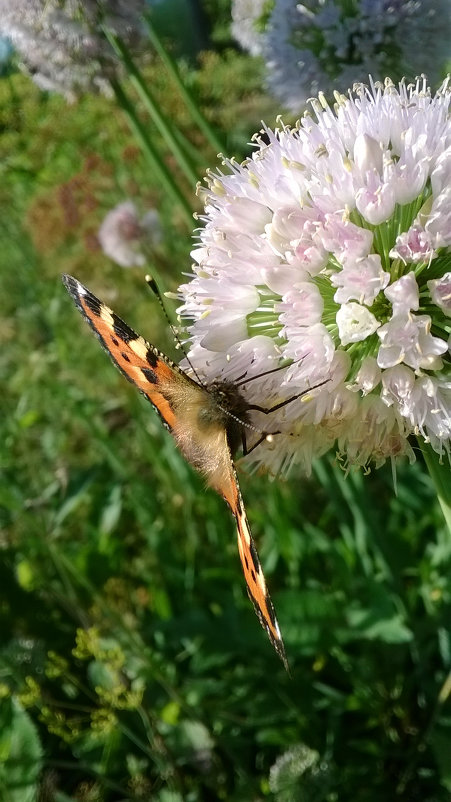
<point>132,666</point>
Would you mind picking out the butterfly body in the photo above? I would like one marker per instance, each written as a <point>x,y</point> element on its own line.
<point>216,410</point>
<point>207,422</point>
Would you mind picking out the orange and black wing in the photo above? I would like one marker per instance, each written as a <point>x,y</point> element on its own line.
<point>140,362</point>
<point>253,572</point>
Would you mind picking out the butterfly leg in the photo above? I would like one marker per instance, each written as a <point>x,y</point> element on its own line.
<point>264,435</point>
<point>267,411</point>
<point>284,403</point>
<point>248,450</point>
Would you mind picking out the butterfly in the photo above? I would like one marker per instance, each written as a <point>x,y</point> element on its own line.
<point>207,422</point>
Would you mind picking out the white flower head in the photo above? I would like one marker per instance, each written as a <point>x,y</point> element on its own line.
<point>60,42</point>
<point>291,258</point>
<point>124,235</point>
<point>327,45</point>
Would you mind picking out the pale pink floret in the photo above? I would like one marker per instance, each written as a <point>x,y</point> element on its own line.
<point>440,290</point>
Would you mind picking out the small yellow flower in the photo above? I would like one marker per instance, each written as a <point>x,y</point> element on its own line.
<point>30,695</point>
<point>55,666</point>
<point>103,721</point>
<point>87,643</point>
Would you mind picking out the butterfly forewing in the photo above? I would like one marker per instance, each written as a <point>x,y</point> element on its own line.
<point>140,362</point>
<point>196,421</point>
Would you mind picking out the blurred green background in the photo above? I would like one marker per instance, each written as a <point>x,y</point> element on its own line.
<point>132,666</point>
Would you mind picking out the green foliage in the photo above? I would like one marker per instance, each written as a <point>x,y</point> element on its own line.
<point>132,666</point>
<point>20,753</point>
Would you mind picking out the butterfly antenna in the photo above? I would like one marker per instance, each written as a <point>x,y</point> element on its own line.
<point>153,286</point>
<point>239,420</point>
<point>246,379</point>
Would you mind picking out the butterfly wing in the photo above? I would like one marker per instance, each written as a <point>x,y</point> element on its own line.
<point>141,363</point>
<point>181,403</point>
<point>229,489</point>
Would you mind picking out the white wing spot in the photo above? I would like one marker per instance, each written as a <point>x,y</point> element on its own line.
<point>139,347</point>
<point>107,316</point>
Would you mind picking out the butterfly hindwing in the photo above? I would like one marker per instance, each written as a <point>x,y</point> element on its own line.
<point>196,421</point>
<point>252,569</point>
<point>256,584</point>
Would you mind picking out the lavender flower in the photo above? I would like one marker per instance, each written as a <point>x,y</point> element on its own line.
<point>330,44</point>
<point>60,43</point>
<point>124,237</point>
<point>328,253</point>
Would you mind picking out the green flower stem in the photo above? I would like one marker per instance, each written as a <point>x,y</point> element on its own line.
<point>149,101</point>
<point>191,104</point>
<point>154,159</point>
<point>440,473</point>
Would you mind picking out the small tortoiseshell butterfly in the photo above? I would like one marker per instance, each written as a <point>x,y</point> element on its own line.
<point>206,421</point>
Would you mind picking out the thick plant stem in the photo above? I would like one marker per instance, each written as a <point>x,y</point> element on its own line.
<point>201,122</point>
<point>154,159</point>
<point>440,473</point>
<point>153,108</point>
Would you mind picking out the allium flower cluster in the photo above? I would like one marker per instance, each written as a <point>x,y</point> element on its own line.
<point>329,44</point>
<point>124,236</point>
<point>328,253</point>
<point>60,43</point>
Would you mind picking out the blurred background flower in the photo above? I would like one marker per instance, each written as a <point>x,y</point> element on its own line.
<point>60,44</point>
<point>327,45</point>
<point>330,249</point>
<point>125,236</point>
<point>299,773</point>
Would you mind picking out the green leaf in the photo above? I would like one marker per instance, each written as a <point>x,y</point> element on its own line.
<point>110,515</point>
<point>20,754</point>
<point>441,745</point>
<point>440,472</point>
<point>365,624</point>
